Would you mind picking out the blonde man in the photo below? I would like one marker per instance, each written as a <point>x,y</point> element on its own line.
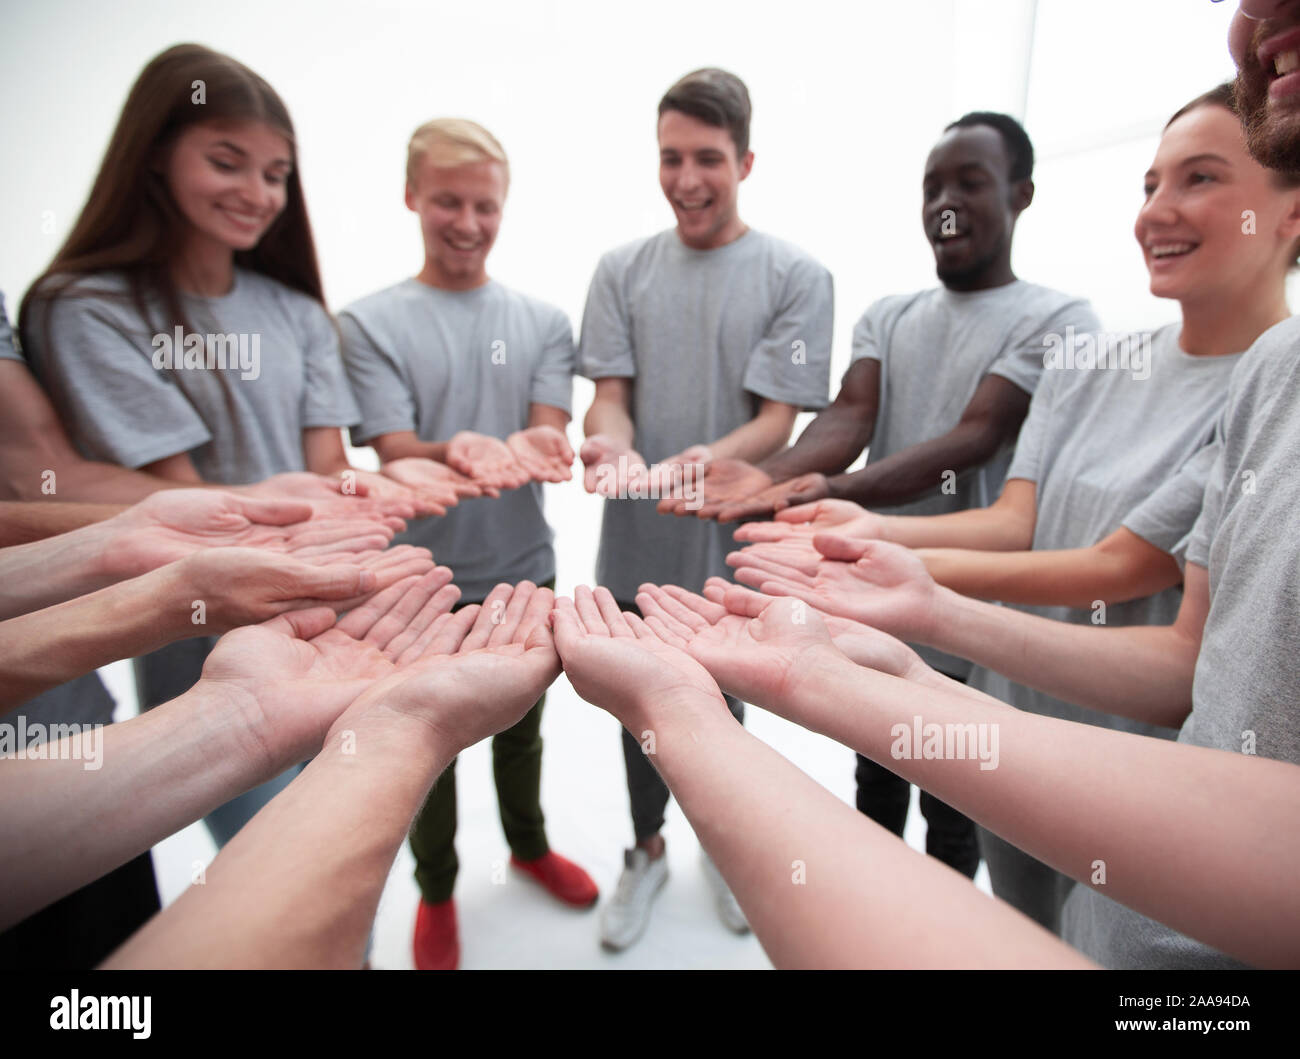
<point>453,366</point>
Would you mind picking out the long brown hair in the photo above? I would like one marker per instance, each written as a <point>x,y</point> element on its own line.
<point>131,224</point>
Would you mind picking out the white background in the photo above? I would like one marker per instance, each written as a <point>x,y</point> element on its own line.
<point>847,100</point>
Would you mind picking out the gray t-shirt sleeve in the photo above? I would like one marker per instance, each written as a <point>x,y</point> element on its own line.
<point>1202,535</point>
<point>383,395</point>
<point>792,363</point>
<point>1022,361</point>
<point>1027,462</point>
<point>867,335</point>
<point>553,377</point>
<point>8,350</point>
<point>114,403</point>
<point>326,399</point>
<point>1166,518</point>
<point>605,346</point>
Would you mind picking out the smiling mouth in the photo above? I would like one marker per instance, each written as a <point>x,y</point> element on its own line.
<point>693,205</point>
<point>1166,251</point>
<point>462,247</point>
<point>1286,62</point>
<point>244,220</point>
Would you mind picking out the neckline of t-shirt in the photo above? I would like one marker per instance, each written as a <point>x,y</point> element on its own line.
<point>238,279</point>
<point>717,251</point>
<point>473,292</point>
<point>1194,358</point>
<point>987,292</point>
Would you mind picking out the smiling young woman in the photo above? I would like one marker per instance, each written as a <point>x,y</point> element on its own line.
<point>195,221</point>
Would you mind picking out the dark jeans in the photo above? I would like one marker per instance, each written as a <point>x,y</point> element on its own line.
<point>81,930</point>
<point>646,791</point>
<point>517,771</point>
<point>949,835</point>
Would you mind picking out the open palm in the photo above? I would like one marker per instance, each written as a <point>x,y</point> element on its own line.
<point>880,584</point>
<point>292,676</point>
<point>544,452</point>
<point>806,520</point>
<point>616,662</point>
<point>754,658</point>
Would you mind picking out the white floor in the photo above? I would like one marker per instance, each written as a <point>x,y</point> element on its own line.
<point>505,919</point>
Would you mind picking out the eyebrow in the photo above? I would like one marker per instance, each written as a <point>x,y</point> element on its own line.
<point>1196,159</point>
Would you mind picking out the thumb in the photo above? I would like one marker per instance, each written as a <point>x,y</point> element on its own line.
<point>845,549</point>
<point>303,624</point>
<point>798,513</point>
<point>274,512</point>
<point>341,581</point>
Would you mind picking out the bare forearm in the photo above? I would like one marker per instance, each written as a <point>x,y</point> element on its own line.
<point>830,443</point>
<point>398,450</point>
<point>300,884</point>
<point>48,647</point>
<point>1154,819</point>
<point>918,471</point>
<point>798,859</point>
<point>51,569</point>
<point>1142,672</point>
<point>1066,577</point>
<point>982,528</point>
<point>753,441</point>
<point>23,522</point>
<point>70,820</point>
<point>609,418</point>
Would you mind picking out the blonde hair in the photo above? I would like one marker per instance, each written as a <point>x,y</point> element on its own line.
<point>452,142</point>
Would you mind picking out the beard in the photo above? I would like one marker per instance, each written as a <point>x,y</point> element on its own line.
<point>1272,133</point>
<point>969,273</point>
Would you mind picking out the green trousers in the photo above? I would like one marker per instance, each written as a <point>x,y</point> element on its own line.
<point>517,770</point>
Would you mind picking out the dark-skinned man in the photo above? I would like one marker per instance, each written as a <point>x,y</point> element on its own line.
<point>938,387</point>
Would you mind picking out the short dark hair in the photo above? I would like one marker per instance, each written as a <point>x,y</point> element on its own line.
<point>716,98</point>
<point>1223,95</point>
<point>1014,138</point>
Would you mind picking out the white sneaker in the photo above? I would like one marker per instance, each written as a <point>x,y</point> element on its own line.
<point>626,915</point>
<point>728,909</point>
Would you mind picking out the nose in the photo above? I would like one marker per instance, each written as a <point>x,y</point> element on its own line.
<point>1159,210</point>
<point>258,193</point>
<point>688,175</point>
<point>1245,23</point>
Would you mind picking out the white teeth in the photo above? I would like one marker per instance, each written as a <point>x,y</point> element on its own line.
<point>1171,249</point>
<point>1286,62</point>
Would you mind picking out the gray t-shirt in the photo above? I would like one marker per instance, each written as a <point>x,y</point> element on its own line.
<point>1167,516</point>
<point>1247,684</point>
<point>935,347</point>
<point>1098,443</point>
<point>707,335</point>
<point>8,350</point>
<point>240,423</point>
<point>436,362</point>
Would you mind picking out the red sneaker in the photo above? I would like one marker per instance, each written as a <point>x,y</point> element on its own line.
<point>437,942</point>
<point>562,878</point>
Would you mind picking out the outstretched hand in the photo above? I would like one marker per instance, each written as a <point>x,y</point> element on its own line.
<point>290,678</point>
<point>726,481</point>
<point>612,468</point>
<point>758,659</point>
<point>431,479</point>
<point>616,662</point>
<point>841,517</point>
<point>804,489</point>
<point>487,460</point>
<point>861,643</point>
<point>468,675</point>
<point>880,584</point>
<point>543,452</point>
<point>174,523</point>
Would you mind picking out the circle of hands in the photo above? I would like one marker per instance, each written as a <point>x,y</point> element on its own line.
<point>327,623</point>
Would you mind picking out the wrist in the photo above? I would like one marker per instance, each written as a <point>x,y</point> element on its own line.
<point>388,741</point>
